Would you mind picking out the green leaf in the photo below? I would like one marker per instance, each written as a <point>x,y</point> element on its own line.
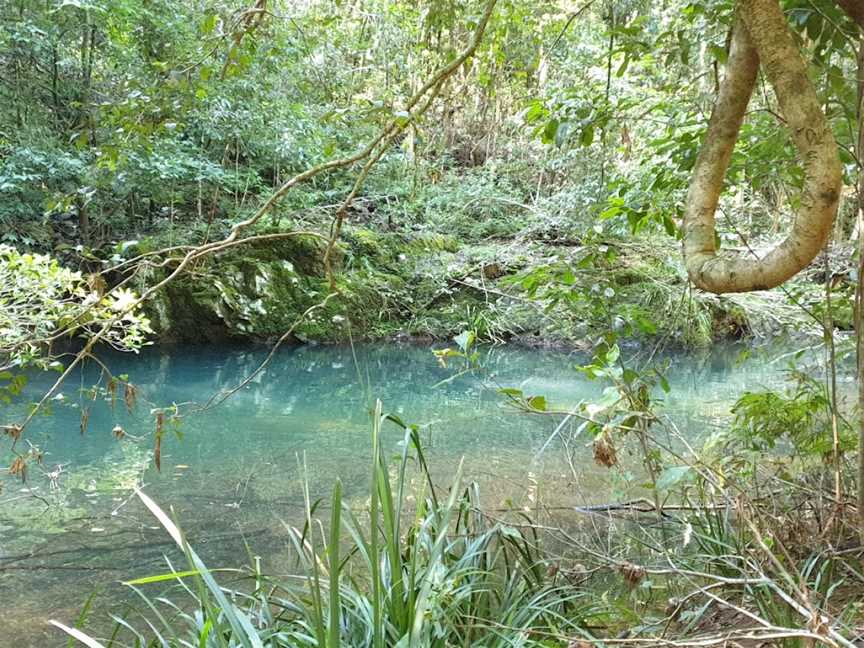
<point>209,23</point>
<point>646,325</point>
<point>240,625</point>
<point>535,111</point>
<point>395,419</point>
<point>669,226</point>
<point>537,402</point>
<point>550,131</point>
<point>85,639</point>
<point>159,578</point>
<point>623,67</point>
<point>333,556</point>
<point>718,53</point>
<point>510,391</point>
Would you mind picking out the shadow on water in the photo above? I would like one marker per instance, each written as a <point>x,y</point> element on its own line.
<point>235,475</point>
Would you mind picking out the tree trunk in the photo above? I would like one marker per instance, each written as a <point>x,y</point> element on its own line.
<point>761,35</point>
<point>854,9</point>
<point>859,294</point>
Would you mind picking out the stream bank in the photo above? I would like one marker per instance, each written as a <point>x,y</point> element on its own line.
<point>426,286</point>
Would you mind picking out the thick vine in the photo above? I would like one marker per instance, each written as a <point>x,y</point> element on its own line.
<point>761,36</point>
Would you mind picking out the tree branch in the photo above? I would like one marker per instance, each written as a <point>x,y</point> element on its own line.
<point>762,35</point>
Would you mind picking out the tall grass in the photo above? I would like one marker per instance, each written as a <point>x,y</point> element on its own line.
<point>435,573</point>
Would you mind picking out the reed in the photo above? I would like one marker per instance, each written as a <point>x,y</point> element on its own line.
<point>428,571</point>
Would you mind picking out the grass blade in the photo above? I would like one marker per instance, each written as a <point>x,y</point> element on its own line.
<point>333,553</point>
<point>374,559</point>
<point>240,629</point>
<point>86,639</point>
<point>158,578</point>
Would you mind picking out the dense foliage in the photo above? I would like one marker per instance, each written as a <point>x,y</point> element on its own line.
<point>467,172</point>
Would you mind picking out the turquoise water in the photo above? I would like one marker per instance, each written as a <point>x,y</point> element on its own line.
<point>235,476</point>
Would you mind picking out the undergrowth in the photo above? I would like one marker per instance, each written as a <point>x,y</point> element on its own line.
<point>727,557</point>
<point>392,573</point>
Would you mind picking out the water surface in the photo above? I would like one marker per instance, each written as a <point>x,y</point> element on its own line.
<point>234,478</point>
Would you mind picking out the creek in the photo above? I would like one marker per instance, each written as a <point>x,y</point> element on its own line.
<point>233,473</point>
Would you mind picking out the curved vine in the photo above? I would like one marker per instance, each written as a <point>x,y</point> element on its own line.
<point>761,36</point>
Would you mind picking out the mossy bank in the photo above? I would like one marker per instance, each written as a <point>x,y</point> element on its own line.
<point>416,284</point>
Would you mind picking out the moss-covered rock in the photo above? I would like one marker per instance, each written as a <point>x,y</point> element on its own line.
<point>398,284</point>
<point>254,292</point>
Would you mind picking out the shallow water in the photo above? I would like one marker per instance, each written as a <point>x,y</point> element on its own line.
<point>235,475</point>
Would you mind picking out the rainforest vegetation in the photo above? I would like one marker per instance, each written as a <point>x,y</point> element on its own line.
<point>287,286</point>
